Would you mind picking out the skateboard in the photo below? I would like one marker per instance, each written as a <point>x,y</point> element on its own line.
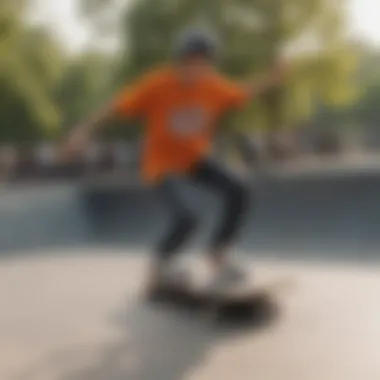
<point>248,304</point>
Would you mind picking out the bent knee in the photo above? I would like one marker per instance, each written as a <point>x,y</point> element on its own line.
<point>239,196</point>
<point>186,222</point>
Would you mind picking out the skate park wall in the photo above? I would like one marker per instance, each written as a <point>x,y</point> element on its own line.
<point>336,214</point>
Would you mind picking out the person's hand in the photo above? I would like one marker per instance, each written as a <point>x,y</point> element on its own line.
<point>73,145</point>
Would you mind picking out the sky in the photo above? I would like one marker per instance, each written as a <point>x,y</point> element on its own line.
<point>63,18</point>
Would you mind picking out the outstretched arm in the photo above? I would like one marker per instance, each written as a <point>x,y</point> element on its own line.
<point>235,95</point>
<point>82,132</point>
<point>130,102</point>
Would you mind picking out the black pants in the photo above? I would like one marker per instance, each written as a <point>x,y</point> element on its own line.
<point>235,196</point>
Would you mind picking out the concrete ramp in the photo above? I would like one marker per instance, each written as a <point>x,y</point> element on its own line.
<point>79,318</point>
<point>333,214</point>
<point>298,214</point>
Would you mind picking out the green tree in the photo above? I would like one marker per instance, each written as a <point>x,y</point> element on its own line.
<point>255,33</point>
<point>83,85</point>
<point>362,112</point>
<point>30,63</point>
<point>365,112</point>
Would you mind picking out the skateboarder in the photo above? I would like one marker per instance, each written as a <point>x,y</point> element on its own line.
<point>181,104</point>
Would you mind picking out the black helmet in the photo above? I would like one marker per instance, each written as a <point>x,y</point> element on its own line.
<point>196,42</point>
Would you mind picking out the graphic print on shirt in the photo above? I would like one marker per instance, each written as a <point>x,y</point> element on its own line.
<point>188,121</point>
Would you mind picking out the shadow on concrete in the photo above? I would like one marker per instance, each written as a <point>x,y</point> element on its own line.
<point>152,344</point>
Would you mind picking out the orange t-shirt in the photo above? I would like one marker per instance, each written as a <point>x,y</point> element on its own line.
<point>180,119</point>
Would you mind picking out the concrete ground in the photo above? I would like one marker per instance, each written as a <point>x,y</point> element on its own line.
<point>78,317</point>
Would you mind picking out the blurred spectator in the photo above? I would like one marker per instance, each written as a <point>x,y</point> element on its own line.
<point>327,143</point>
<point>45,154</point>
<point>281,146</point>
<point>91,158</point>
<point>7,161</point>
<point>25,166</point>
<point>107,159</point>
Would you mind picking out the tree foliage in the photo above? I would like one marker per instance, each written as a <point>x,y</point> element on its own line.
<point>82,86</point>
<point>44,91</point>
<point>254,33</point>
<point>29,69</point>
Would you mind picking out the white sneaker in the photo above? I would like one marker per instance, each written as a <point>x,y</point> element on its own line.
<point>229,276</point>
<point>176,276</point>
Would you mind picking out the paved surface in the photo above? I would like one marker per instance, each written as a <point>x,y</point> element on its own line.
<point>79,318</point>
<point>71,263</point>
<point>69,307</point>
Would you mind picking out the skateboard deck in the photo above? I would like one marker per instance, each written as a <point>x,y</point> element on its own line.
<point>237,305</point>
